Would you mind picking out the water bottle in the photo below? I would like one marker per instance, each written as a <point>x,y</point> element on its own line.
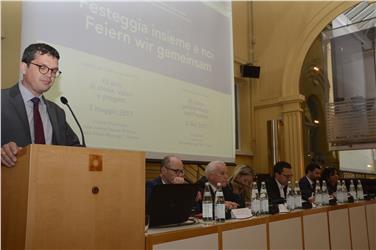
<point>220,212</point>
<point>264,202</point>
<point>318,194</point>
<point>352,190</point>
<point>290,197</point>
<point>207,205</point>
<point>298,196</point>
<point>339,193</point>
<point>344,191</point>
<point>255,200</point>
<point>324,193</point>
<point>359,189</point>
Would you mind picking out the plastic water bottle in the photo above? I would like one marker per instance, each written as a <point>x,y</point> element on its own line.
<point>290,197</point>
<point>318,194</point>
<point>220,213</point>
<point>324,193</point>
<point>264,200</point>
<point>352,190</point>
<point>344,191</point>
<point>359,189</point>
<point>255,200</point>
<point>207,205</point>
<point>298,196</point>
<point>339,193</point>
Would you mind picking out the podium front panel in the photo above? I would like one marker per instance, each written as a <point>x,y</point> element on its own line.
<point>82,198</point>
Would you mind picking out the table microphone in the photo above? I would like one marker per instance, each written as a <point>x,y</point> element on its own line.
<point>65,102</point>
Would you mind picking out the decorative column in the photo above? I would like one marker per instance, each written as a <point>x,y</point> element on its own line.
<point>293,134</point>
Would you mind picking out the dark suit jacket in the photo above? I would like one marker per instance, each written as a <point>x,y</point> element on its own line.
<point>149,187</point>
<point>238,198</point>
<point>305,188</point>
<point>15,125</point>
<point>273,191</point>
<point>227,194</point>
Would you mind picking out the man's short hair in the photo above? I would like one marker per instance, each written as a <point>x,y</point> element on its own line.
<point>33,49</point>
<point>311,167</point>
<point>211,167</point>
<point>166,161</point>
<point>279,166</point>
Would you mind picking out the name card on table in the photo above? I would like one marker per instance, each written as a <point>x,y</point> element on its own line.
<point>283,208</point>
<point>241,213</point>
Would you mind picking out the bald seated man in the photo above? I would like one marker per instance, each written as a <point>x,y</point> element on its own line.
<point>216,172</point>
<point>171,172</point>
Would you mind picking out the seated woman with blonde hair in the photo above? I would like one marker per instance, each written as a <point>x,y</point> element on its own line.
<point>240,184</point>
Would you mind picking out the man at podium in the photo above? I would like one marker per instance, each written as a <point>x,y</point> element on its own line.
<point>26,116</point>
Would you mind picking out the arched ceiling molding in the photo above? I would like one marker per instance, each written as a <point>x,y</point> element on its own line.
<point>293,66</point>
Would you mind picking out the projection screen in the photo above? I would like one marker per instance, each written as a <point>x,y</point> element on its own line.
<point>149,76</point>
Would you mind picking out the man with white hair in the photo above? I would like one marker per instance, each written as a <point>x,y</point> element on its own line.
<point>216,172</point>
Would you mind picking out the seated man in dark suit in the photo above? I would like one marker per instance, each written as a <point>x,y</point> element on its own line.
<point>277,186</point>
<point>171,172</point>
<point>26,115</point>
<point>216,172</point>
<point>307,183</point>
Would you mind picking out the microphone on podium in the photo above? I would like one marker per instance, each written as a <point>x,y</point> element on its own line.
<point>65,102</point>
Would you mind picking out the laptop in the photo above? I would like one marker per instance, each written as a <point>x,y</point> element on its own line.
<point>171,204</point>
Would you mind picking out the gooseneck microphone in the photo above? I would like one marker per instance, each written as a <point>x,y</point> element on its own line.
<point>65,102</point>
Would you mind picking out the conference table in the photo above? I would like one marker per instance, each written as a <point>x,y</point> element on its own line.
<point>343,226</point>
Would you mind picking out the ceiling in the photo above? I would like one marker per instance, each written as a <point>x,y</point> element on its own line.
<point>357,14</point>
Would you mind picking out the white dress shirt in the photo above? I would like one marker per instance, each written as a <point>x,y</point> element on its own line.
<point>281,191</point>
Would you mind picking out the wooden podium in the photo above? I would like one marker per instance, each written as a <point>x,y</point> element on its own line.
<point>59,197</point>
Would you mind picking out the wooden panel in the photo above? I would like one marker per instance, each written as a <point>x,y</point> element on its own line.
<point>339,229</point>
<point>286,234</point>
<point>251,238</point>
<point>240,26</point>
<point>64,213</point>
<point>11,44</point>
<point>201,242</point>
<point>316,232</point>
<point>14,192</point>
<point>358,228</point>
<point>285,231</point>
<point>371,223</point>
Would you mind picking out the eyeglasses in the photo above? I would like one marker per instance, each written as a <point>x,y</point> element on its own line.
<point>43,69</point>
<point>288,176</point>
<point>177,171</point>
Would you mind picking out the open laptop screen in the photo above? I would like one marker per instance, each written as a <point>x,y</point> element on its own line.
<point>171,204</point>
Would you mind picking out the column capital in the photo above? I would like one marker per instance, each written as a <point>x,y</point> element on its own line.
<point>284,101</point>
